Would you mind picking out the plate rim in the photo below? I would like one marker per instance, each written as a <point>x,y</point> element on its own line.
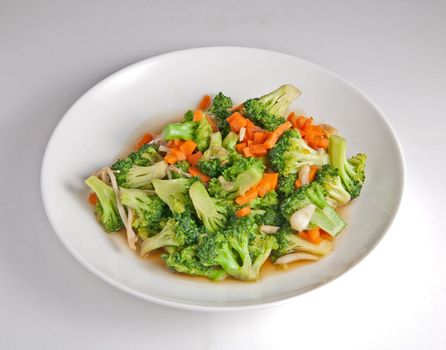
<point>209,307</point>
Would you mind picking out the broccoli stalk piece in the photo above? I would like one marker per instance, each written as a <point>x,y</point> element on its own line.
<point>150,211</point>
<point>166,237</point>
<point>230,141</point>
<point>267,111</point>
<point>288,242</point>
<point>200,132</point>
<point>215,158</point>
<point>291,152</point>
<point>174,193</point>
<point>221,109</point>
<point>351,171</point>
<point>212,213</point>
<point>324,216</point>
<point>186,261</point>
<point>106,209</point>
<point>329,178</point>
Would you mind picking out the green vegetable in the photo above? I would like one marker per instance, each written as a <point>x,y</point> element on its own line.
<point>267,111</point>
<point>221,109</point>
<point>291,152</point>
<point>174,193</point>
<point>329,178</point>
<point>230,141</point>
<point>209,210</point>
<point>286,184</point>
<point>351,171</point>
<point>188,116</point>
<point>200,132</point>
<point>150,211</point>
<point>106,208</point>
<point>215,158</point>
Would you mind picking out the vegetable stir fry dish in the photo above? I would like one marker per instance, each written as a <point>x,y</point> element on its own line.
<point>230,186</point>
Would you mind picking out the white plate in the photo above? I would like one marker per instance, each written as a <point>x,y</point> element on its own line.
<point>150,93</point>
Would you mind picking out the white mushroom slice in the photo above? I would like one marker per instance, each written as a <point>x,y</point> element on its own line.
<point>289,258</point>
<point>163,148</point>
<point>242,133</point>
<point>304,173</point>
<point>269,229</point>
<point>301,218</point>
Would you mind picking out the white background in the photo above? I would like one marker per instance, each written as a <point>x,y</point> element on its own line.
<point>394,51</point>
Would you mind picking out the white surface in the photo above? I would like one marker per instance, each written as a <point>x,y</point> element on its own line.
<point>53,51</point>
<point>119,107</point>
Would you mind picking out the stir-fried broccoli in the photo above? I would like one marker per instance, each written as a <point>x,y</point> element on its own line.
<point>200,132</point>
<point>240,249</point>
<point>188,116</point>
<point>186,261</point>
<point>212,213</point>
<point>182,165</point>
<point>150,210</point>
<point>329,178</point>
<point>142,176</point>
<point>351,171</point>
<point>324,216</point>
<point>266,210</point>
<point>174,193</point>
<point>267,111</point>
<point>106,208</point>
<point>230,141</point>
<point>286,184</point>
<point>146,156</point>
<point>288,242</point>
<point>215,158</point>
<point>291,152</point>
<point>221,110</point>
<point>183,230</point>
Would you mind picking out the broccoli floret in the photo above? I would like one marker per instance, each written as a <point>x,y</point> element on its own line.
<point>174,193</point>
<point>324,216</point>
<point>286,184</point>
<point>208,209</point>
<point>240,249</point>
<point>106,209</point>
<point>146,156</point>
<point>187,228</point>
<point>288,242</point>
<point>239,164</point>
<point>182,165</point>
<point>150,211</point>
<point>266,210</point>
<point>269,200</point>
<point>167,237</point>
<point>188,116</point>
<point>329,178</point>
<point>200,132</point>
<point>221,109</point>
<point>215,158</point>
<point>291,152</point>
<point>351,171</point>
<point>142,176</point>
<point>186,261</point>
<point>267,110</point>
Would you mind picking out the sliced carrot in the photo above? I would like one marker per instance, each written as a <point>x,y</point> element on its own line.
<point>237,123</point>
<point>188,147</point>
<point>275,135</point>
<point>250,132</point>
<point>92,198</point>
<point>325,235</point>
<point>233,116</point>
<point>146,138</point>
<point>196,172</point>
<point>205,102</point>
<point>250,124</point>
<point>300,121</point>
<point>212,123</point>
<point>243,212</point>
<point>263,188</point>
<point>178,153</point>
<point>246,152</point>
<point>236,108</point>
<point>260,137</point>
<point>247,197</point>
<point>177,143</point>
<point>314,235</point>
<point>271,178</point>
<point>198,115</point>
<point>258,150</point>
<point>240,146</point>
<point>304,235</point>
<point>194,158</point>
<point>170,158</point>
<point>292,118</point>
<point>297,183</point>
<point>312,173</point>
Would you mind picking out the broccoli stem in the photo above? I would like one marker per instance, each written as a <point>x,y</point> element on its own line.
<point>230,141</point>
<point>182,131</point>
